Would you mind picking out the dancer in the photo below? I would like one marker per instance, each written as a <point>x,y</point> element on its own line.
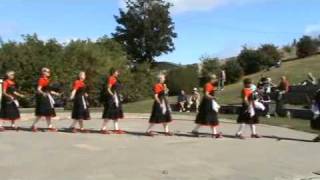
<point>161,111</point>
<point>112,105</point>
<point>9,104</point>
<point>80,110</point>
<point>208,110</point>
<point>248,113</point>
<point>44,101</point>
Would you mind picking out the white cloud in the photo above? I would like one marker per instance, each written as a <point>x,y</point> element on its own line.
<point>312,30</point>
<point>181,6</point>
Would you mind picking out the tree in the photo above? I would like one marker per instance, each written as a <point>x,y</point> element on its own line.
<point>306,47</point>
<point>252,61</point>
<point>145,29</point>
<point>27,57</point>
<point>234,71</point>
<point>271,52</point>
<point>183,78</point>
<point>210,66</point>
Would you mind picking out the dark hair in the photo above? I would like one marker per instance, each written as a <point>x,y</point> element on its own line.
<point>112,71</point>
<point>247,81</point>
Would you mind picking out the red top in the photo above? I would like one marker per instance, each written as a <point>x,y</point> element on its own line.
<point>43,81</point>
<point>246,93</point>
<point>112,80</point>
<point>7,83</point>
<point>158,88</point>
<point>78,84</point>
<point>284,86</point>
<point>209,87</point>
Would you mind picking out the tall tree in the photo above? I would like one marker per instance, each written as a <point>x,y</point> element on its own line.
<point>145,29</point>
<point>306,47</point>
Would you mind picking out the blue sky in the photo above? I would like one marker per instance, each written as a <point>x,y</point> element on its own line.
<point>205,27</point>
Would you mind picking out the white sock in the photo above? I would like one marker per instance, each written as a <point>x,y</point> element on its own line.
<point>241,128</point>
<point>253,129</point>
<point>150,127</point>
<point>196,129</point>
<point>214,130</point>
<point>116,125</point>
<point>166,128</point>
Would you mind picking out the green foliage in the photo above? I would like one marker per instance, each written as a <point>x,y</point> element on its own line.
<point>306,46</point>
<point>182,78</point>
<point>252,61</point>
<point>234,71</point>
<point>137,85</point>
<point>271,52</point>
<point>210,66</point>
<point>145,29</point>
<point>64,60</point>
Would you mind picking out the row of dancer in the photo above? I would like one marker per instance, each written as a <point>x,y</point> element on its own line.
<point>44,108</point>
<point>161,111</point>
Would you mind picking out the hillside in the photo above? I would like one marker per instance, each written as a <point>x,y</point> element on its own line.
<point>296,71</point>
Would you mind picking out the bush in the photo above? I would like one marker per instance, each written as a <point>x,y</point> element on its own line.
<point>65,60</point>
<point>306,47</point>
<point>182,78</point>
<point>234,71</point>
<point>271,52</point>
<point>138,84</point>
<point>253,61</point>
<point>210,66</point>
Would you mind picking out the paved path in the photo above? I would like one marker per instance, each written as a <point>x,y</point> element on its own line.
<point>64,156</point>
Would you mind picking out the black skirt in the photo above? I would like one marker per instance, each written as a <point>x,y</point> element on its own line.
<point>43,106</point>
<point>244,116</point>
<point>111,110</point>
<point>207,116</point>
<point>315,123</point>
<point>157,115</point>
<point>9,109</point>
<point>80,110</point>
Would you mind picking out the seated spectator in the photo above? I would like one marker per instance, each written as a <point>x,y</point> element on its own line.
<point>182,100</point>
<point>194,100</point>
<point>311,80</point>
<point>264,97</point>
